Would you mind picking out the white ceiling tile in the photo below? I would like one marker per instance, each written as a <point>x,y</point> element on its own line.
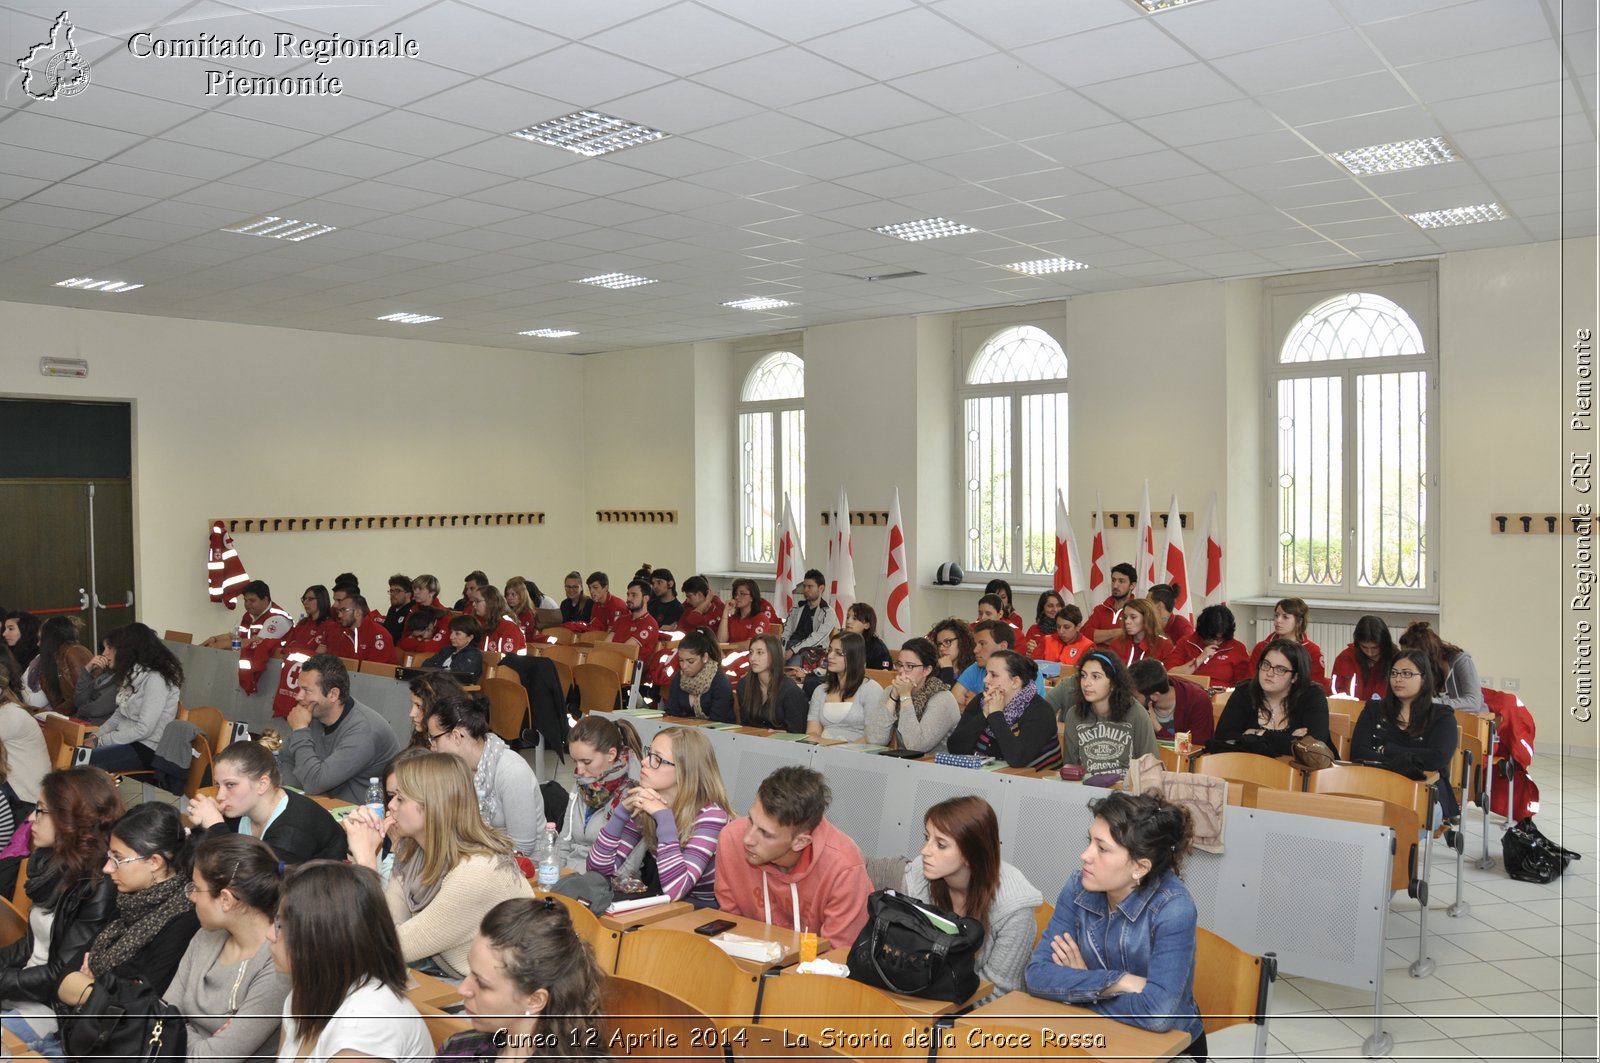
<point>1133,47</point>
<point>379,195</point>
<point>512,157</point>
<point>579,76</point>
<point>1095,145</point>
<point>396,84</point>
<point>1089,204</point>
<point>680,157</point>
<point>764,134</point>
<point>1421,179</point>
<point>32,129</point>
<point>1173,192</point>
<point>801,22</point>
<point>680,107</point>
<point>1043,184</point>
<point>817,197</point>
<point>993,163</point>
<point>900,44</point>
<point>1058,112</point>
<point>1536,135</point>
<point>1479,26</point>
<point>670,196</point>
<point>783,77</point>
<point>444,178</point>
<point>863,110</point>
<point>1383,127</point>
<point>1289,196</point>
<point>1218,121</point>
<point>1501,108</point>
<point>1504,68</point>
<point>899,180</point>
<point>1379,10</point>
<point>1241,25</point>
<point>466,212</point>
<point>1154,93</point>
<point>749,179</point>
<point>597,177</point>
<point>1354,210</point>
<point>1363,94</point>
<point>183,159</point>
<point>297,181</point>
<point>400,130</point>
<point>476,42</point>
<point>1020,22</point>
<point>1311,61</point>
<point>245,137</point>
<point>1156,166</point>
<point>1295,173</point>
<point>131,179</point>
<point>987,81</point>
<point>315,114</point>
<point>685,39</point>
<point>490,106</point>
<point>346,157</point>
<point>1261,149</point>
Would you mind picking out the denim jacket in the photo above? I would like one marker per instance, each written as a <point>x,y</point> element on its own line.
<point>1151,933</point>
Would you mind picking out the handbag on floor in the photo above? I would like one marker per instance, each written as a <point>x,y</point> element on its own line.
<point>916,949</point>
<point>123,1020</point>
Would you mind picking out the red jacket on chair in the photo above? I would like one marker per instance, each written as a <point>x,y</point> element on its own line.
<point>1514,745</point>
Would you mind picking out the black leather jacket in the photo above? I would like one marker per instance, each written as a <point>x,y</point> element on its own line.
<point>80,915</point>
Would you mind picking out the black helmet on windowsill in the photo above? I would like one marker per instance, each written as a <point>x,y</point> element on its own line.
<point>949,574</point>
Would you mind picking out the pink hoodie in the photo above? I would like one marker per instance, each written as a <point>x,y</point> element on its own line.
<point>829,884</point>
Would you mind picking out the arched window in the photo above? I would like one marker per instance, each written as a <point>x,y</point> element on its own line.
<point>772,454</point>
<point>1014,406</point>
<point>1351,388</point>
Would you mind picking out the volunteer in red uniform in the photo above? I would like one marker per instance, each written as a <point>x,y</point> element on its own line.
<point>749,615</point>
<point>425,595</point>
<point>637,625</point>
<point>1008,612</point>
<point>1141,637</point>
<point>1164,596</point>
<point>472,581</point>
<point>1069,643</point>
<point>521,606</point>
<point>1212,651</point>
<point>425,633</point>
<point>1289,619</point>
<point>1035,643</point>
<point>992,607</point>
<point>1105,619</point>
<point>315,632</point>
<point>604,607</point>
<point>361,636</point>
<point>501,633</point>
<point>1361,670</point>
<point>261,629</point>
<point>701,607</point>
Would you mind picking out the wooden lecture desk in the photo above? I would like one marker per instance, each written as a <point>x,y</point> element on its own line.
<point>750,928</point>
<point>915,1006</point>
<point>1021,1025</point>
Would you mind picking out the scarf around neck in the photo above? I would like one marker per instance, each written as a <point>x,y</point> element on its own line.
<point>140,917</point>
<point>696,685</point>
<point>920,695</point>
<point>1018,704</point>
<point>596,793</point>
<point>483,778</point>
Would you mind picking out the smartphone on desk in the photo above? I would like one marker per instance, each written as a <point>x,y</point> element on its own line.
<point>715,927</point>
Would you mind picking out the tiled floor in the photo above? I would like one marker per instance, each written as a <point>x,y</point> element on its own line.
<point>1516,977</point>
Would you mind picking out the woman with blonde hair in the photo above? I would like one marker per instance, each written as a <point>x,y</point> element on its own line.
<point>679,810</point>
<point>449,866</point>
<point>522,607</point>
<point>1141,637</point>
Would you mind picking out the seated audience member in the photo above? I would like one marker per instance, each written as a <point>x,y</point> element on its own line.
<point>917,711</point>
<point>1174,708</point>
<point>473,581</point>
<point>148,679</point>
<point>149,860</point>
<point>501,634</point>
<point>863,620</point>
<point>399,606</point>
<point>605,761</point>
<point>426,690</point>
<point>1069,643</point>
<point>961,872</point>
<point>576,606</point>
<point>531,981</point>
<point>748,616</point>
<point>1212,651</point>
<point>677,812</point>
<point>989,636</point>
<point>1012,723</point>
<point>425,595</point>
<point>699,688</point>
<point>22,636</point>
<point>72,900</point>
<point>1175,626</point>
<point>1105,619</point>
<point>449,866</point>
<point>1034,643</point>
<point>24,755</point>
<point>522,607</point>
<point>767,696</point>
<point>1122,939</point>
<point>604,606</point>
<point>1455,676</point>
<point>1007,611</point>
<point>252,801</point>
<point>807,627</point>
<point>1361,670</point>
<point>336,942</point>
<point>508,794</point>
<point>1407,731</point>
<point>701,608</point>
<point>95,698</point>
<point>361,636</point>
<point>957,649</point>
<point>665,607</point>
<point>52,679</point>
<point>1266,714</point>
<point>335,743</point>
<point>990,607</point>
<point>1141,636</point>
<point>462,658</point>
<point>317,629</point>
<point>785,864</point>
<point>227,988</point>
<point>636,625</point>
<point>1289,619</point>
<point>258,606</point>
<point>840,704</point>
<point>425,634</point>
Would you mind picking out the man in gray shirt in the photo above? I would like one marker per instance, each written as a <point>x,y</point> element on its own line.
<point>335,743</point>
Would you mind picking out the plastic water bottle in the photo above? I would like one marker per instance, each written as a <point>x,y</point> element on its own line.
<point>375,799</point>
<point>549,859</point>
<point>235,642</point>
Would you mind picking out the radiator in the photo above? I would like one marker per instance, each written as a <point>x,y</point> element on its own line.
<point>1331,635</point>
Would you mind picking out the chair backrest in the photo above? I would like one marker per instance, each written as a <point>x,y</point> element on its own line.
<point>1340,727</point>
<point>606,656</point>
<point>598,687</point>
<point>19,896</point>
<point>754,1042</point>
<point>1041,920</point>
<point>589,638</point>
<point>508,706</point>
<point>1230,985</point>
<point>661,958</point>
<point>441,1025</point>
<point>209,719</point>
<point>198,767</point>
<point>351,664</point>
<point>60,756</point>
<point>571,656</point>
<point>560,634</point>
<point>587,924</point>
<point>1401,798</point>
<point>1219,701</point>
<point>1325,806</point>
<point>884,677</point>
<point>379,668</point>
<point>13,924</point>
<point>179,636</point>
<point>870,1020</point>
<point>1203,682</point>
<point>634,1007</point>
<point>1251,769</point>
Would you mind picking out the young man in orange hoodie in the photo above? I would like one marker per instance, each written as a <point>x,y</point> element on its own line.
<point>786,864</point>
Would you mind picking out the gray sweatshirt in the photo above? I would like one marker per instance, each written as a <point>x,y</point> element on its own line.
<point>1010,930</point>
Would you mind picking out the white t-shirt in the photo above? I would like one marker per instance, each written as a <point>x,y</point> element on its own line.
<point>373,1020</point>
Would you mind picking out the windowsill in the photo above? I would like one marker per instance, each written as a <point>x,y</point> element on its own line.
<point>1346,605</point>
<point>1017,589</point>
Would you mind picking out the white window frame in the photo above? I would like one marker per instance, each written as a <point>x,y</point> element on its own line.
<point>1414,288</point>
<point>972,336</point>
<point>777,407</point>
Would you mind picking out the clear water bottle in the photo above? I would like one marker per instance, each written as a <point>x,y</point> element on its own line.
<point>236,642</point>
<point>549,858</point>
<point>375,799</point>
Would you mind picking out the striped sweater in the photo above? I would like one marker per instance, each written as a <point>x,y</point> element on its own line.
<point>687,866</point>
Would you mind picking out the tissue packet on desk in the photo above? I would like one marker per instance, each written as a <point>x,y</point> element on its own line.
<point>759,950</point>
<point>822,966</point>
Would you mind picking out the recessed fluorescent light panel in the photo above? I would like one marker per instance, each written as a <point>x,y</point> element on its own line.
<point>617,280</point>
<point>590,133</point>
<point>1047,265</point>
<point>1401,155</point>
<point>276,228</point>
<point>760,303</point>
<point>89,284</point>
<point>1438,219</point>
<point>408,319</point>
<point>926,229</point>
<point>548,333</point>
<point>1150,7</point>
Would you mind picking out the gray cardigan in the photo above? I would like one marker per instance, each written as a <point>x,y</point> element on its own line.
<point>1462,688</point>
<point>201,990</point>
<point>146,703</point>
<point>854,726</point>
<point>519,806</point>
<point>339,762</point>
<point>928,735</point>
<point>1010,931</point>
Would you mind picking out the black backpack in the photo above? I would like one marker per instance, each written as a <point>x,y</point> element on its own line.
<point>1530,856</point>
